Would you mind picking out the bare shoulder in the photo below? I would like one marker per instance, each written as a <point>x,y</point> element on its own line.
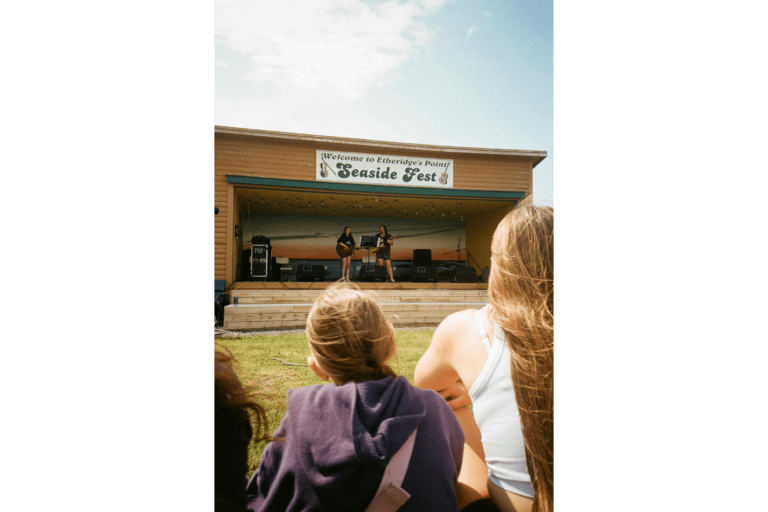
<point>456,326</point>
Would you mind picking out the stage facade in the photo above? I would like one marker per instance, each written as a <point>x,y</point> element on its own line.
<point>298,192</point>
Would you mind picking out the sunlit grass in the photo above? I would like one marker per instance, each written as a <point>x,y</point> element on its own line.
<point>273,379</point>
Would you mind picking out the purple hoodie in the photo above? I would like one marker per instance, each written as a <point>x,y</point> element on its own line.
<point>337,440</point>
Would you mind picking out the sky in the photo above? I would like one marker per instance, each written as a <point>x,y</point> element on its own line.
<point>476,73</point>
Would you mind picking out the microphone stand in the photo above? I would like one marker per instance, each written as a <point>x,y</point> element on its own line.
<point>458,250</point>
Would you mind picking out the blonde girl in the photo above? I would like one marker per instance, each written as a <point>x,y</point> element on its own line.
<point>503,355</point>
<point>336,440</point>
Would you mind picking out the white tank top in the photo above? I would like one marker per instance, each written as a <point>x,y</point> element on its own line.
<point>495,411</point>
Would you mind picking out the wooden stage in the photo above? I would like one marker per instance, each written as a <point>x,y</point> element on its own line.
<point>269,285</point>
<point>270,305</point>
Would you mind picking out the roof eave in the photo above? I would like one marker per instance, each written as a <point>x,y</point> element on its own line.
<point>535,156</point>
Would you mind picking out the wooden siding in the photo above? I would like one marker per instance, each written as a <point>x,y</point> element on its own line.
<point>295,160</point>
<point>220,228</point>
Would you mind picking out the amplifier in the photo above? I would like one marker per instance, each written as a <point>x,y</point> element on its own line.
<point>422,257</point>
<point>484,276</point>
<point>260,261</point>
<point>307,273</point>
<point>424,274</point>
<point>371,273</point>
<point>464,275</point>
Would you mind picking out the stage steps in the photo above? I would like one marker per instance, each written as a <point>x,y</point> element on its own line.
<point>270,309</point>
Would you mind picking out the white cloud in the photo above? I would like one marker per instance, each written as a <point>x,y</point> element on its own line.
<point>472,30</point>
<point>342,47</point>
<point>487,13</point>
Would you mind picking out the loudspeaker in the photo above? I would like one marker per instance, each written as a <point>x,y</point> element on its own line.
<point>307,273</point>
<point>371,273</point>
<point>422,257</point>
<point>464,275</point>
<point>424,274</point>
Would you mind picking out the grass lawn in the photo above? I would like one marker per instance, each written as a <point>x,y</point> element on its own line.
<point>273,379</point>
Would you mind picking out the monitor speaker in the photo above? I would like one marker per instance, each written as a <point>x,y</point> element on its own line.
<point>464,275</point>
<point>308,273</point>
<point>372,273</point>
<point>422,257</point>
<point>424,274</point>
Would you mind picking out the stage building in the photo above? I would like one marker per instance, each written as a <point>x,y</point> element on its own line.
<point>300,192</point>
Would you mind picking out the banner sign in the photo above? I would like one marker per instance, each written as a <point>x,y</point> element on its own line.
<point>366,168</point>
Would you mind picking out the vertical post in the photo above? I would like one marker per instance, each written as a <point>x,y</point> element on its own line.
<point>230,233</point>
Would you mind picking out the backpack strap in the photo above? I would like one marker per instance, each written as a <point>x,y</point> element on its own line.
<point>390,496</point>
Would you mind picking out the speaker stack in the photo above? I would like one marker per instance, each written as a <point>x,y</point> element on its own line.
<point>372,273</point>
<point>423,270</point>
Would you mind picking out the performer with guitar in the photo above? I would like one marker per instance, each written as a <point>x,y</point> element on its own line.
<point>384,249</point>
<point>345,246</point>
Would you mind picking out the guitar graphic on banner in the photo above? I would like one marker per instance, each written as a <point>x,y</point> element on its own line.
<point>444,176</point>
<point>324,167</point>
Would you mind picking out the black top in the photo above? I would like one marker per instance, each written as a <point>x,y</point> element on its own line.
<point>387,248</point>
<point>346,240</point>
<point>232,434</point>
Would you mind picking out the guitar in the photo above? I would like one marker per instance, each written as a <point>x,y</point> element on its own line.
<point>345,250</point>
<point>444,177</point>
<point>377,249</point>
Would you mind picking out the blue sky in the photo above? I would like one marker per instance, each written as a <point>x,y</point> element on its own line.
<point>464,72</point>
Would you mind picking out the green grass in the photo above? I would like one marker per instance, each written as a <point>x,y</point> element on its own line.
<point>273,379</point>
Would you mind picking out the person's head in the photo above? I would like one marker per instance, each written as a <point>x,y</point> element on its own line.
<point>239,420</point>
<point>521,293</point>
<point>232,397</point>
<point>347,231</point>
<point>349,337</point>
<point>383,229</point>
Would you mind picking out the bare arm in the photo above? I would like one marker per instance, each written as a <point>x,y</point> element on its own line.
<point>435,370</point>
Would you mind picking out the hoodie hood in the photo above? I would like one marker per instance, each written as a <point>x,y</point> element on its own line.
<point>345,435</point>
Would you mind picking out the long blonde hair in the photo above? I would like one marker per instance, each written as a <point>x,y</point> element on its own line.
<point>521,293</point>
<point>349,335</point>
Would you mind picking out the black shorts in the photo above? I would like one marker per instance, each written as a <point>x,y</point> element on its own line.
<point>383,256</point>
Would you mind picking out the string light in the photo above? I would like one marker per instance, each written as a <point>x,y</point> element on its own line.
<point>387,206</point>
